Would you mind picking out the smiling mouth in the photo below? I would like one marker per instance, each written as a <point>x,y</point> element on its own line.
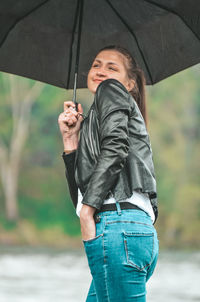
<point>97,80</point>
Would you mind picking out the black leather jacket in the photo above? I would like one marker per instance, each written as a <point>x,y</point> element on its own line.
<point>114,155</point>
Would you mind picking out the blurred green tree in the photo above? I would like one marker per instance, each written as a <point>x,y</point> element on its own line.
<point>18,96</point>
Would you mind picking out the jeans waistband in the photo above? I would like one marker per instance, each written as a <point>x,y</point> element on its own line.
<point>114,207</point>
<point>121,210</point>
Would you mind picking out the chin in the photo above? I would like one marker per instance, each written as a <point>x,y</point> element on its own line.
<point>93,88</point>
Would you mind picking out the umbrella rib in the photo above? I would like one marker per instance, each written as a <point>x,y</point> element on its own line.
<point>18,20</point>
<point>133,34</point>
<point>173,12</point>
<point>72,42</point>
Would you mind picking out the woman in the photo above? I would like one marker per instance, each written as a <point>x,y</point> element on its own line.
<point>110,173</point>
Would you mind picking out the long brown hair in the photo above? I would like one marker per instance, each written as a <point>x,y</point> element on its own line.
<point>135,73</point>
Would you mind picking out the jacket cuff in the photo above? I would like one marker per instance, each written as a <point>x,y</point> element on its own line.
<point>96,205</point>
<point>68,158</point>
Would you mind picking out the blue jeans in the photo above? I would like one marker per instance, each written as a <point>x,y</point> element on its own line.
<point>122,256</point>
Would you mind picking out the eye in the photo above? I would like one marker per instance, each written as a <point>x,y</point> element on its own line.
<point>95,65</point>
<point>112,68</point>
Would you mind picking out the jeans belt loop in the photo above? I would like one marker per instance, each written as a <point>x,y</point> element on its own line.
<point>119,211</point>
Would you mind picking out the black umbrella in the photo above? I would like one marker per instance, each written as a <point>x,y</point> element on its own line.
<point>42,39</point>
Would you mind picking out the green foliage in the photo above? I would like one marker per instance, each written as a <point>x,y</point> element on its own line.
<point>174,126</point>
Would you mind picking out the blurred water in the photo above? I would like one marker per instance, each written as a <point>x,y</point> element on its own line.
<point>46,275</point>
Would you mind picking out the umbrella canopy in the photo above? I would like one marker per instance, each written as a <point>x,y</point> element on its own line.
<point>38,39</point>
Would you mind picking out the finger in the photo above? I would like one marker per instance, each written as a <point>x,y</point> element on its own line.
<point>68,104</point>
<point>80,118</point>
<point>70,112</point>
<point>70,118</point>
<point>71,115</point>
<point>61,117</point>
<point>67,119</point>
<point>73,111</point>
<point>71,122</point>
<point>80,113</point>
<point>73,119</point>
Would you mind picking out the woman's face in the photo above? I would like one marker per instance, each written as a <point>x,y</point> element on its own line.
<point>108,64</point>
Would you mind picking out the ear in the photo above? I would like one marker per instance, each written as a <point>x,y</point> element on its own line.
<point>130,85</point>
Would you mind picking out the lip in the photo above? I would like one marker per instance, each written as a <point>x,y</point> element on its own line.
<point>97,80</point>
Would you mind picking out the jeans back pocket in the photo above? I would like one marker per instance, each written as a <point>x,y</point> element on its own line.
<point>139,248</point>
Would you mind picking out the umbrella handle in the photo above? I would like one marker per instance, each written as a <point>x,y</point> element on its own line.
<point>74,94</point>
<point>74,91</point>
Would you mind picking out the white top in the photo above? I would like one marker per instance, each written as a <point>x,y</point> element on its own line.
<point>141,200</point>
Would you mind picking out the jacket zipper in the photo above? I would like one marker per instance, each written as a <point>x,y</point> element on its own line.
<point>90,134</point>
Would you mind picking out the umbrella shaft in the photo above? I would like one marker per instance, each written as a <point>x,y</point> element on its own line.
<point>80,19</point>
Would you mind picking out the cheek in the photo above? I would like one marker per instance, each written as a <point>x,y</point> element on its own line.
<point>124,78</point>
<point>89,77</point>
<point>121,78</point>
<point>90,84</point>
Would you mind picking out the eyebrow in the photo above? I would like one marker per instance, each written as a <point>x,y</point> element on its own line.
<point>110,63</point>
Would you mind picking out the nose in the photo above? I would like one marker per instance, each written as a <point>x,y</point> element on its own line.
<point>101,72</point>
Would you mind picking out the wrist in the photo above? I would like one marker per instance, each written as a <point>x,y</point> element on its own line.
<point>70,143</point>
<point>87,212</point>
<point>68,151</point>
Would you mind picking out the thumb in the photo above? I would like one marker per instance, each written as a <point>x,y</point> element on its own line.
<point>80,109</point>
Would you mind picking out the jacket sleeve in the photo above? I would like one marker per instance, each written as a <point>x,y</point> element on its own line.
<point>113,109</point>
<point>69,160</point>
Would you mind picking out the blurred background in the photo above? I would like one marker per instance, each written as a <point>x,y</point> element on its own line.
<point>38,225</point>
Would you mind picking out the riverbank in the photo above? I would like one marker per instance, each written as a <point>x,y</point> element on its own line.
<point>25,233</point>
